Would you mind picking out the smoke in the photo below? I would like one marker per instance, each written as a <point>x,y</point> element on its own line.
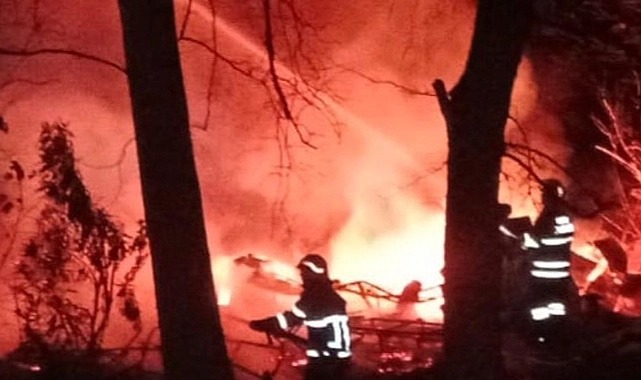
<point>370,198</point>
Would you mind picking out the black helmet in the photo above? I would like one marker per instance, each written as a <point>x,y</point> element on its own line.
<point>314,263</point>
<point>552,188</point>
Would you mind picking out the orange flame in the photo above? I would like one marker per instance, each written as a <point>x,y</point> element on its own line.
<point>391,246</point>
<point>222,270</point>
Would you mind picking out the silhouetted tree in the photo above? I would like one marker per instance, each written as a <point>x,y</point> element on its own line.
<point>11,205</point>
<point>73,269</point>
<point>476,111</point>
<point>193,344</point>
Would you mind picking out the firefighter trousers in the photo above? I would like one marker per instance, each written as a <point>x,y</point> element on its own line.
<point>327,369</point>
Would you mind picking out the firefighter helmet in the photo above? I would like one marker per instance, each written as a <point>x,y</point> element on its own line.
<point>314,263</point>
<point>552,188</point>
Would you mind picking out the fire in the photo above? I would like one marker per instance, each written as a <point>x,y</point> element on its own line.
<point>391,246</point>
<point>222,270</point>
<point>282,271</point>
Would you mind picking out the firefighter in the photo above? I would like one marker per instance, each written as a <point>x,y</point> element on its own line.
<point>410,296</point>
<point>323,312</point>
<point>548,249</point>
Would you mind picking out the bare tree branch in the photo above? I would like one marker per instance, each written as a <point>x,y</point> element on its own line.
<point>67,52</point>
<point>625,164</point>
<point>250,73</point>
<point>398,86</point>
<point>212,69</point>
<point>271,56</point>
<point>529,167</point>
<point>183,27</point>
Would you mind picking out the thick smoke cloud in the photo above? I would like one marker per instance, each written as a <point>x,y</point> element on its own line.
<point>371,197</point>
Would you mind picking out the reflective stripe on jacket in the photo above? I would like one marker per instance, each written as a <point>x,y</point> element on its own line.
<point>324,314</point>
<point>550,246</point>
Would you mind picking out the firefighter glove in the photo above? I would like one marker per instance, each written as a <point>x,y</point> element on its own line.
<point>268,325</point>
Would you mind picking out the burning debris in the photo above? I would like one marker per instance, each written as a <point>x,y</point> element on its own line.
<point>269,274</point>
<point>390,336</point>
<point>402,345</point>
<point>612,281</point>
<point>276,276</point>
<point>385,339</point>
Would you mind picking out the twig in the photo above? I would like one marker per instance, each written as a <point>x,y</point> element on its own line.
<point>68,52</point>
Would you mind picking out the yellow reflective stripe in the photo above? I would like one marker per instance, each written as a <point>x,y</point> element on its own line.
<point>553,241</point>
<point>298,312</point>
<point>282,321</point>
<point>556,305</point>
<point>564,228</point>
<point>317,354</point>
<point>505,231</point>
<point>313,267</point>
<point>556,308</point>
<point>339,327</point>
<point>346,337</point>
<point>539,313</point>
<point>562,219</point>
<point>318,323</point>
<point>556,264</point>
<point>556,274</point>
<point>529,242</point>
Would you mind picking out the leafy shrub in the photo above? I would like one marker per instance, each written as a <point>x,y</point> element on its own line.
<point>78,265</point>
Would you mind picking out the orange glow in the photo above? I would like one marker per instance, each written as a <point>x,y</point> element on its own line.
<point>222,267</point>
<point>282,271</point>
<point>390,246</point>
<point>370,198</point>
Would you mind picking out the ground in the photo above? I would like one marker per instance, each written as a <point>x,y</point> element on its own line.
<point>602,345</point>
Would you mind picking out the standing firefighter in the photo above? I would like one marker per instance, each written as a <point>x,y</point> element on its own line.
<point>323,311</point>
<point>548,248</point>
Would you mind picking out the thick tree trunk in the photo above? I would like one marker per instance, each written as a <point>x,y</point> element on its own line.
<point>476,111</point>
<point>193,344</point>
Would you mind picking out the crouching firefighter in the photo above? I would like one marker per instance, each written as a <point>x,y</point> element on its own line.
<point>323,312</point>
<point>549,281</point>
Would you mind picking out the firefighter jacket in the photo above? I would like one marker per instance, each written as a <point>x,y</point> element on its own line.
<point>549,244</point>
<point>323,311</point>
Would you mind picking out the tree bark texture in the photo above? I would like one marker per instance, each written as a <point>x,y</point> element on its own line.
<point>476,111</point>
<point>193,344</point>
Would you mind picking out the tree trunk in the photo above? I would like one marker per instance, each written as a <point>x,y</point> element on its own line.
<point>193,344</point>
<point>476,111</point>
